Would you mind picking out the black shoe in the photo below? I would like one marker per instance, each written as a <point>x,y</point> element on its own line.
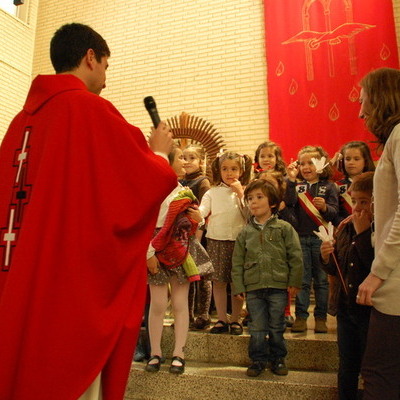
<point>279,367</point>
<point>154,367</point>
<point>220,329</point>
<point>289,321</point>
<point>200,324</point>
<point>256,368</point>
<point>177,369</point>
<point>235,328</point>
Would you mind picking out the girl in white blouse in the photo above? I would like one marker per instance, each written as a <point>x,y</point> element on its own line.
<point>222,205</point>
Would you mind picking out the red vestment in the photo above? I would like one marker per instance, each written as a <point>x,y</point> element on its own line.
<point>78,206</point>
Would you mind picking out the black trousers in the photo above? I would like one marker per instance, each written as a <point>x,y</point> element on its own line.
<point>381,364</point>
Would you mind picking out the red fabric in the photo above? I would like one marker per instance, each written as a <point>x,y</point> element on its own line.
<point>319,104</point>
<point>85,206</point>
<point>172,241</point>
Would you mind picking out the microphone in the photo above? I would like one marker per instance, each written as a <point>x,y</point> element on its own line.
<point>151,107</point>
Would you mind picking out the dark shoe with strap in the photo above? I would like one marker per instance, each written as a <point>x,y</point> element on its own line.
<point>177,369</point>
<point>235,328</point>
<point>223,328</point>
<point>200,324</point>
<point>153,367</point>
<point>256,368</point>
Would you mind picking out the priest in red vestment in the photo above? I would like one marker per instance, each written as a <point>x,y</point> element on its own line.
<point>76,219</point>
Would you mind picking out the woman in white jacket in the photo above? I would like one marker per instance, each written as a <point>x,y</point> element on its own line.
<point>380,107</point>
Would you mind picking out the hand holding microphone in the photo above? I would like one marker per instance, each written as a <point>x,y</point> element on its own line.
<point>161,136</point>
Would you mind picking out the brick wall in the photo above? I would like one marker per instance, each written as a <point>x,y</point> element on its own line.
<point>16,54</point>
<point>205,58</point>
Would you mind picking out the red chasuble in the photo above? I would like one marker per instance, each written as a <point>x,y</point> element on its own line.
<point>80,191</point>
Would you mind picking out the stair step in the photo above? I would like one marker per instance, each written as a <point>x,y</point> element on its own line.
<point>207,380</point>
<point>306,351</point>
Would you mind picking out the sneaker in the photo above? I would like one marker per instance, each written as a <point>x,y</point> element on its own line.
<point>300,325</point>
<point>256,368</point>
<point>320,325</point>
<point>279,367</point>
<point>289,321</point>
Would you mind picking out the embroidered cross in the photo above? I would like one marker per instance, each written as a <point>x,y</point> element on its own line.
<point>9,237</point>
<point>22,156</point>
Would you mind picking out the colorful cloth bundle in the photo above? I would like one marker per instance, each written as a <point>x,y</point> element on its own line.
<point>172,241</point>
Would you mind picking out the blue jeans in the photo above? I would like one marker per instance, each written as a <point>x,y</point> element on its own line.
<point>310,246</point>
<point>267,318</point>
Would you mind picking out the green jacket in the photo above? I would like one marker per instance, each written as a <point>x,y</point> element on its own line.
<point>270,257</point>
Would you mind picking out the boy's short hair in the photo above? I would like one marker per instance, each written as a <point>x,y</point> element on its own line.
<point>268,189</point>
<point>71,42</point>
<point>363,183</point>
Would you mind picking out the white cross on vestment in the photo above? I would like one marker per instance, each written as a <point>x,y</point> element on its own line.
<point>22,156</point>
<point>9,237</point>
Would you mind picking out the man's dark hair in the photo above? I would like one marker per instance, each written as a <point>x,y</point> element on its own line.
<point>71,42</point>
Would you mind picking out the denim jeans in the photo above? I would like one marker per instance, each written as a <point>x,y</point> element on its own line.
<point>267,318</point>
<point>352,330</point>
<point>310,246</point>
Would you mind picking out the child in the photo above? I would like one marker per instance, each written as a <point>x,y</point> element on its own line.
<point>269,157</point>
<point>315,202</point>
<point>161,273</point>
<point>285,213</point>
<point>267,263</point>
<point>354,253</point>
<point>223,206</point>
<point>356,159</point>
<point>201,291</point>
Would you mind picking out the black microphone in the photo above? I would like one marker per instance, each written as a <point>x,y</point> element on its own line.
<point>151,107</point>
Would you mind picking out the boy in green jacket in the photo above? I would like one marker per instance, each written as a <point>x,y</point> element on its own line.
<point>267,263</point>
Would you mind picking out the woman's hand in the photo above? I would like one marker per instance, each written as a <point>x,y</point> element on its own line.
<point>153,265</point>
<point>367,289</point>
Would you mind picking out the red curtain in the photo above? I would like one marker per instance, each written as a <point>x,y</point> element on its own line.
<point>317,52</point>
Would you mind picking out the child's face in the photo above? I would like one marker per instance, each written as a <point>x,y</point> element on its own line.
<point>192,161</point>
<point>361,201</point>
<point>178,164</point>
<point>259,205</point>
<point>267,158</point>
<point>354,162</point>
<point>307,168</point>
<point>230,171</point>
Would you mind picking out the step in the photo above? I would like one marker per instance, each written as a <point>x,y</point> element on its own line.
<point>207,380</point>
<point>306,351</point>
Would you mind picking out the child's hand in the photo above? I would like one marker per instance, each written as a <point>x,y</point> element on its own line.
<point>293,291</point>
<point>194,214</point>
<point>327,249</point>
<point>319,203</point>
<point>361,220</point>
<point>153,265</point>
<point>292,171</point>
<point>237,188</point>
<point>239,296</point>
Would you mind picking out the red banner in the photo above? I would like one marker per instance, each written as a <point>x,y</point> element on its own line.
<point>317,53</point>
